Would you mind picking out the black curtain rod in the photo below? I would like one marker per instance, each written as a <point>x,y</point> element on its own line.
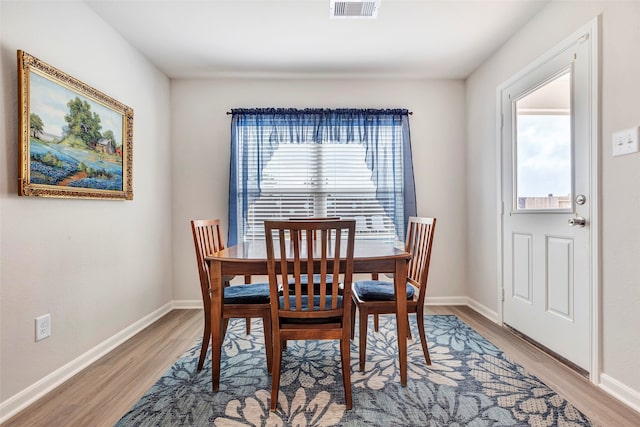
<point>229,113</point>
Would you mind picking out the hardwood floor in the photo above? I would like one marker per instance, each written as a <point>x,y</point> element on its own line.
<point>102,393</point>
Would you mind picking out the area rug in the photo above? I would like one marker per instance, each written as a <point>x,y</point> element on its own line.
<point>470,383</point>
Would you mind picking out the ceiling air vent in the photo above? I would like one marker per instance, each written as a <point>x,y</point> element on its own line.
<point>354,9</point>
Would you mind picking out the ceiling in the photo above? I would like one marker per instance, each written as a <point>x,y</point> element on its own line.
<point>297,38</point>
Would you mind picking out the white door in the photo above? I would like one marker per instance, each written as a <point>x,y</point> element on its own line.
<point>547,195</point>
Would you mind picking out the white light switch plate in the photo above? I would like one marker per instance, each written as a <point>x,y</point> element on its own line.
<point>625,142</point>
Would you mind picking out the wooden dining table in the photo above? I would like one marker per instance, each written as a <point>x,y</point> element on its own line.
<point>251,259</point>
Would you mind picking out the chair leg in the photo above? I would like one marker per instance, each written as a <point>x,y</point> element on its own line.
<point>409,329</point>
<point>353,319</point>
<point>217,338</point>
<point>345,352</point>
<point>364,318</point>
<point>423,336</point>
<point>225,323</point>
<point>247,280</point>
<point>376,322</point>
<point>268,342</point>
<point>206,337</point>
<point>275,373</point>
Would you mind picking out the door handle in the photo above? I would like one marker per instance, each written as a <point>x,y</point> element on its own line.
<point>577,221</point>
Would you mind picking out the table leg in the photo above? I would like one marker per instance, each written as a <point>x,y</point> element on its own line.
<point>402,318</point>
<point>215,280</point>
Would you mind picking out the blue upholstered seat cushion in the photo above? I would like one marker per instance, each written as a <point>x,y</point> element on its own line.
<point>305,302</point>
<point>376,290</point>
<point>247,294</point>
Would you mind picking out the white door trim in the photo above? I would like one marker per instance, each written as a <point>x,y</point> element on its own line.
<point>590,30</point>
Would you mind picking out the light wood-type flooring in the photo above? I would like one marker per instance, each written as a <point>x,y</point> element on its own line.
<point>103,392</point>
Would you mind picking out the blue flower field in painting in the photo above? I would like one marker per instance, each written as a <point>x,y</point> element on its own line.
<point>64,165</point>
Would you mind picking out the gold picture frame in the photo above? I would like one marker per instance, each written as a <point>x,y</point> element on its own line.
<point>75,141</point>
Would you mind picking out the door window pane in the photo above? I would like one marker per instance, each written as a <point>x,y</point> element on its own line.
<point>543,147</point>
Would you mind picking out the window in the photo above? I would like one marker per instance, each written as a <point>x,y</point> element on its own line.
<point>320,163</point>
<point>544,146</point>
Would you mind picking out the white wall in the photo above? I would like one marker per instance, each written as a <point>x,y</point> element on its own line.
<point>201,135</point>
<point>620,196</point>
<point>97,266</point>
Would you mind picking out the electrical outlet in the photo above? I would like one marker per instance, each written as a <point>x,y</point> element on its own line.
<point>625,142</point>
<point>43,327</point>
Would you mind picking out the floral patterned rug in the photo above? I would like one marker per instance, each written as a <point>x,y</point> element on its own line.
<point>470,383</point>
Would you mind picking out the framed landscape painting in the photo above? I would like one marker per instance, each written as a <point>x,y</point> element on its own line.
<point>75,141</point>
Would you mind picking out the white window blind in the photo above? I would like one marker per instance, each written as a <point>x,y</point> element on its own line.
<point>317,180</point>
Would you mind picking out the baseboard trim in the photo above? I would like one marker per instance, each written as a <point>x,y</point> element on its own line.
<point>620,391</point>
<point>483,310</point>
<point>473,304</point>
<point>445,300</point>
<point>29,395</point>
<point>187,304</point>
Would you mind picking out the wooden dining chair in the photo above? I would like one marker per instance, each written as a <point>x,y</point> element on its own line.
<point>378,297</point>
<point>240,301</point>
<point>309,313</point>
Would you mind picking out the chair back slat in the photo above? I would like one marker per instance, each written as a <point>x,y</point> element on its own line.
<point>284,273</point>
<point>308,266</point>
<point>323,248</point>
<point>336,264</point>
<point>419,242</point>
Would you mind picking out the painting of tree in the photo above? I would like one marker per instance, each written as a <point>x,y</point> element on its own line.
<point>79,141</point>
